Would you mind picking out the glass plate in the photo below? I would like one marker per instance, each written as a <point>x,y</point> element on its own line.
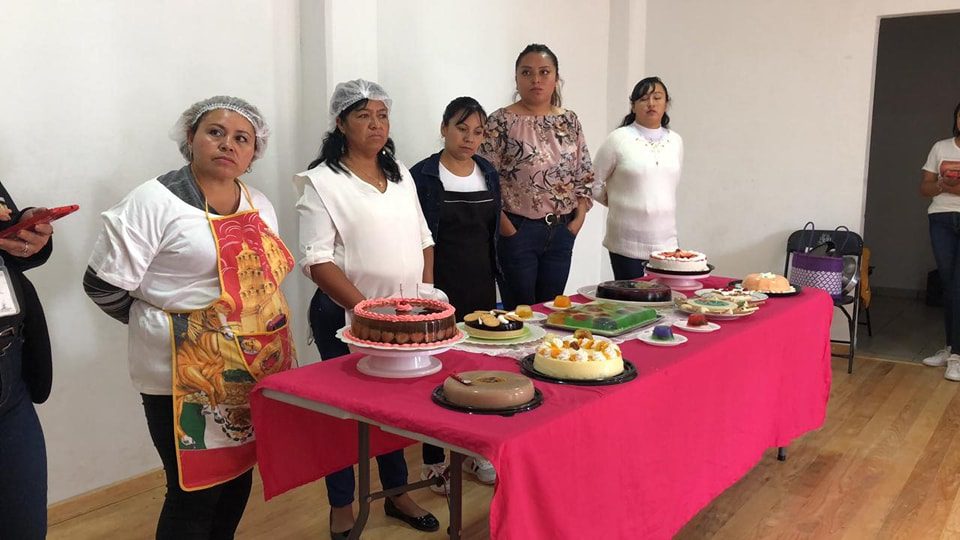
<point>590,291</point>
<point>533,333</point>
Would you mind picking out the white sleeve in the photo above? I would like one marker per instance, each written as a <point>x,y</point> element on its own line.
<point>933,161</point>
<point>426,238</point>
<point>604,164</point>
<point>318,234</point>
<point>130,239</point>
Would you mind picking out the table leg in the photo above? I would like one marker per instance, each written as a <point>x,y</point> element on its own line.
<point>456,494</point>
<point>363,483</point>
<point>781,453</point>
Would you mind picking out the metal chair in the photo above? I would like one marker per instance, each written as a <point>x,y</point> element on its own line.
<point>866,295</point>
<point>845,244</point>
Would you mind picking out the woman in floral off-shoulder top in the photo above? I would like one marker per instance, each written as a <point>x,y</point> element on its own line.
<point>546,178</point>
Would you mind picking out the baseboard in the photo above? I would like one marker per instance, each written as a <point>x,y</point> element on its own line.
<point>105,496</point>
<point>839,350</point>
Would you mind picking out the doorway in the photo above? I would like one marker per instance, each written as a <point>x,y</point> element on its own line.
<point>916,87</point>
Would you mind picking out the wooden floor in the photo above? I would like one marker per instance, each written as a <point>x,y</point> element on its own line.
<point>885,465</point>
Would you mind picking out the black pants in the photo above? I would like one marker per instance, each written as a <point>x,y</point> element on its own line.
<point>211,513</point>
<point>626,267</point>
<point>326,317</point>
<point>23,455</point>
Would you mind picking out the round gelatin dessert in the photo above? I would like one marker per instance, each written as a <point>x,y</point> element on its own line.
<point>634,291</point>
<point>662,333</point>
<point>580,357</point>
<point>767,282</point>
<point>680,260</point>
<point>488,389</point>
<point>493,324</point>
<point>404,322</point>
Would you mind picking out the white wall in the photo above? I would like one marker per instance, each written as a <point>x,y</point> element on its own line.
<point>90,91</point>
<point>773,100</point>
<point>431,52</point>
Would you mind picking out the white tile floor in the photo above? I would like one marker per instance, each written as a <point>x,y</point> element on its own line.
<point>903,329</point>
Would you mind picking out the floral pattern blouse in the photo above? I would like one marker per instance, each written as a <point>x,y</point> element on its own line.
<point>543,162</point>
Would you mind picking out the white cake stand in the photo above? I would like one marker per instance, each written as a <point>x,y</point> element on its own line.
<point>397,362</point>
<point>679,281</point>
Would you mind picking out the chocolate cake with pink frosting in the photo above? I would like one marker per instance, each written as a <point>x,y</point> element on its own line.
<point>403,322</point>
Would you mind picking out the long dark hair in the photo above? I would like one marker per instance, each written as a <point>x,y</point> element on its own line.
<point>644,87</point>
<point>956,111</point>
<point>463,107</point>
<point>555,99</point>
<point>334,147</point>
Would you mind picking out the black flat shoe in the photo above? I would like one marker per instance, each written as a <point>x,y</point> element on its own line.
<point>427,522</point>
<point>338,535</point>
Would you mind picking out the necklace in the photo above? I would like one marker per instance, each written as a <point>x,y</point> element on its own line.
<point>375,180</point>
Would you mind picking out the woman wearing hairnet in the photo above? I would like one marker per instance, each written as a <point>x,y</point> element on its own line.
<point>362,235</point>
<point>191,261</point>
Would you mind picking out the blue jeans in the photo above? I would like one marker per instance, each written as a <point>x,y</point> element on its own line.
<point>326,317</point>
<point>627,267</point>
<point>23,455</point>
<point>207,514</point>
<point>945,239</point>
<point>535,260</point>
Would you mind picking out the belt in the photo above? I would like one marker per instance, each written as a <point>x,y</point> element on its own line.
<point>551,219</point>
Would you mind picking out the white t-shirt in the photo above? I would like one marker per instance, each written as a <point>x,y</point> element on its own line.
<point>944,161</point>
<point>161,249</point>
<point>376,239</point>
<point>636,178</point>
<point>463,184</point>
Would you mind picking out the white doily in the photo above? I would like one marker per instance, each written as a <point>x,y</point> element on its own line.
<point>517,352</point>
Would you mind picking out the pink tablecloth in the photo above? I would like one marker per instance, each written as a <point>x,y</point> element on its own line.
<point>636,460</point>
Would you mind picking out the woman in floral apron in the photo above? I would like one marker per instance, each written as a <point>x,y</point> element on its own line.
<point>192,262</point>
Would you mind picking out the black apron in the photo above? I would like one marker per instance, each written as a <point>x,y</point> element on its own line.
<point>463,256</point>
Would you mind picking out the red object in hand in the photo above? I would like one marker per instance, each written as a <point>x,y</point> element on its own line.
<point>40,216</point>
<point>696,319</point>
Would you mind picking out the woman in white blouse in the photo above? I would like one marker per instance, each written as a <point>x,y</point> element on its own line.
<point>637,172</point>
<point>362,235</point>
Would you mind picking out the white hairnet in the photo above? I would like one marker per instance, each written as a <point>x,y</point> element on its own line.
<point>191,117</point>
<point>350,92</point>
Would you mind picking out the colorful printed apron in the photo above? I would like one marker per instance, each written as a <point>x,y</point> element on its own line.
<point>221,351</point>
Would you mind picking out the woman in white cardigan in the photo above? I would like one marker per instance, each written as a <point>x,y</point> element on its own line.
<point>637,171</point>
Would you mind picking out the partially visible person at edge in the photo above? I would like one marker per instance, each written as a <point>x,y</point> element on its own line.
<point>539,150</point>
<point>459,193</point>
<point>940,179</point>
<point>362,235</point>
<point>25,377</point>
<point>190,255</point>
<point>637,173</point>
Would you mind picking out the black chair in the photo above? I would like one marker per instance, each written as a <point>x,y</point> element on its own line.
<point>849,245</point>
